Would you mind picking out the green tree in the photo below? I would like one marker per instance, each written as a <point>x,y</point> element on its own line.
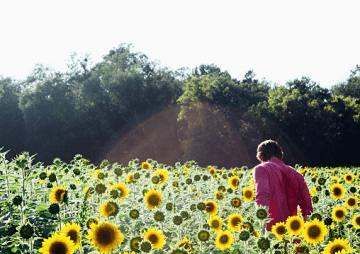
<point>351,87</point>
<point>48,104</point>
<point>11,119</point>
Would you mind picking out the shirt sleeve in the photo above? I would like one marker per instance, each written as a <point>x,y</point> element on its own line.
<point>262,186</point>
<point>305,199</point>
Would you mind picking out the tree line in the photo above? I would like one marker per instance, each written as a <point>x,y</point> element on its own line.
<point>60,114</point>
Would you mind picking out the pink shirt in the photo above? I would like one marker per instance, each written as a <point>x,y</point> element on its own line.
<point>282,189</point>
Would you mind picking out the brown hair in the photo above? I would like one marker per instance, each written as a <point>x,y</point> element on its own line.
<point>268,149</point>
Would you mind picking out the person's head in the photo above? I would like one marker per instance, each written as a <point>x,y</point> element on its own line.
<point>267,149</point>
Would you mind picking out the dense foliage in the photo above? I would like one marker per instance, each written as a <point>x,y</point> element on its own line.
<point>59,114</point>
<point>81,109</point>
<point>148,207</point>
<point>323,125</point>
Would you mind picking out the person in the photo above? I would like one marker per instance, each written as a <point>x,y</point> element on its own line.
<point>278,186</point>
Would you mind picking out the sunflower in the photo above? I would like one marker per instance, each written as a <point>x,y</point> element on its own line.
<point>203,235</point>
<point>338,213</point>
<point>314,231</point>
<point>313,191</point>
<point>235,202</point>
<point>215,222</point>
<point>109,208</point>
<point>155,237</point>
<point>261,213</point>
<point>337,191</point>
<point>73,231</point>
<point>248,194</point>
<point>294,225</point>
<point>303,171</point>
<point>356,221</point>
<point>224,240</point>
<point>186,170</point>
<point>58,194</point>
<point>349,177</point>
<point>146,165</point>
<point>129,178</point>
<point>211,207</point>
<point>97,174</point>
<point>185,243</point>
<point>335,179</point>
<point>41,182</point>
<point>122,189</point>
<point>100,188</point>
<point>135,243</point>
<point>234,182</point>
<point>88,191</point>
<point>338,246</point>
<point>235,221</point>
<point>57,244</point>
<point>351,202</point>
<point>212,170</point>
<point>105,236</point>
<point>153,199</point>
<point>163,175</point>
<point>219,195</point>
<point>91,221</point>
<point>279,230</point>
<point>256,233</point>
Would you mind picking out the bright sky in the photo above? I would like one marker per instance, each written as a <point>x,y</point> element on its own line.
<point>279,40</point>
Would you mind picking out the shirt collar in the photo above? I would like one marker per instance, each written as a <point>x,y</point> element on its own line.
<point>276,160</point>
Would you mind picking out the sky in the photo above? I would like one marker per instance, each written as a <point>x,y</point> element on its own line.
<point>279,40</point>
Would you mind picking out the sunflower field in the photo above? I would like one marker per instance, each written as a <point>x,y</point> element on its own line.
<point>149,207</point>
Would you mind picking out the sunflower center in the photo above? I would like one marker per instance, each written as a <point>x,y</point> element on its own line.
<point>248,194</point>
<point>280,230</point>
<point>339,214</point>
<point>153,238</point>
<point>154,200</point>
<point>203,235</point>
<point>215,223</point>
<point>314,231</point>
<point>59,194</point>
<point>210,207</point>
<point>224,239</point>
<point>348,177</point>
<point>235,202</point>
<point>235,182</point>
<point>73,235</point>
<point>336,248</point>
<point>235,221</point>
<point>357,220</point>
<point>351,201</point>
<point>295,225</point>
<point>219,195</point>
<point>134,243</point>
<point>337,191</point>
<point>58,248</point>
<point>105,236</point>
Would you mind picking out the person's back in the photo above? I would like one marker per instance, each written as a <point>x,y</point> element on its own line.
<point>278,186</point>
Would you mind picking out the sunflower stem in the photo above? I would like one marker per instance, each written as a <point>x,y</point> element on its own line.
<point>285,247</point>
<point>31,245</point>
<point>8,189</point>
<point>60,218</point>
<point>23,194</point>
